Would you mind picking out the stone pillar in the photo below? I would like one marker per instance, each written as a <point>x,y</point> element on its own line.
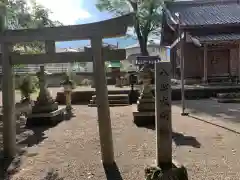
<point>68,100</point>
<point>163,117</point>
<point>104,121</point>
<point>8,95</point>
<point>8,101</point>
<point>205,66</point>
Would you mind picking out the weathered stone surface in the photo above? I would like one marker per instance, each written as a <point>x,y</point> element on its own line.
<point>145,107</point>
<point>146,99</point>
<point>163,113</point>
<point>174,173</point>
<point>45,110</point>
<point>44,102</point>
<point>144,115</point>
<point>51,118</point>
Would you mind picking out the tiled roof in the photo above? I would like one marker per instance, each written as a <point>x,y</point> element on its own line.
<point>195,13</point>
<point>218,37</point>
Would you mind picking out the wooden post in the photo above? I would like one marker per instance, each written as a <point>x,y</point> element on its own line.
<point>163,113</point>
<point>205,64</point>
<point>182,66</point>
<point>104,121</point>
<point>8,95</point>
<point>173,62</point>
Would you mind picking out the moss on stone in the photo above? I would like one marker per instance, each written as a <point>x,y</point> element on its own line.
<point>156,173</point>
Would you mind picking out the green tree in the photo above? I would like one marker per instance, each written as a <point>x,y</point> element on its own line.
<point>21,16</point>
<point>148,16</point>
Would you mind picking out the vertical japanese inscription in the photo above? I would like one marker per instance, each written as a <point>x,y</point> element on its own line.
<point>163,112</point>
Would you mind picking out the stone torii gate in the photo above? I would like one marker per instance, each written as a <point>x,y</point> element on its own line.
<point>96,54</point>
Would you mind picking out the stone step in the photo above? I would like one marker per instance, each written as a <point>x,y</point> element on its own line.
<point>110,105</point>
<point>114,101</point>
<point>114,97</point>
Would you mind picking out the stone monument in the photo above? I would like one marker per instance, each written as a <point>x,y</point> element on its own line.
<point>165,167</point>
<point>163,113</point>
<point>45,109</point>
<point>145,113</point>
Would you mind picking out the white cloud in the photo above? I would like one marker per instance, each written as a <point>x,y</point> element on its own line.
<point>67,12</point>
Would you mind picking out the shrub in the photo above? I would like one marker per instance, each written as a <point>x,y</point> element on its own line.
<point>67,80</point>
<point>28,85</point>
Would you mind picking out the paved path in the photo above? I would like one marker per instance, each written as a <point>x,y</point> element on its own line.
<point>226,115</point>
<point>73,149</point>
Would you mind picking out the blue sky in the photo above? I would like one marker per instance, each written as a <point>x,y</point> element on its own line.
<point>72,12</point>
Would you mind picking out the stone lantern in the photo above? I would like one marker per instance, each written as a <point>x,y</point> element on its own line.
<point>146,100</point>
<point>45,103</point>
<point>145,112</point>
<point>68,86</point>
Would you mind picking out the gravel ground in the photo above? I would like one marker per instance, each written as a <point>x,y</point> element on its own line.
<point>72,148</point>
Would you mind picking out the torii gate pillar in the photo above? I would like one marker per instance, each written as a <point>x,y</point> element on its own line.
<point>104,121</point>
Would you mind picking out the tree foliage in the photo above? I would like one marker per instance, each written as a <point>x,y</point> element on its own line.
<point>148,16</point>
<point>22,14</point>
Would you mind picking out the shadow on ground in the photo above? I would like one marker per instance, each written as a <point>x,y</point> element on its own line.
<point>26,137</point>
<point>210,107</point>
<point>10,166</point>
<point>112,172</point>
<point>179,138</point>
<point>182,140</point>
<point>36,137</point>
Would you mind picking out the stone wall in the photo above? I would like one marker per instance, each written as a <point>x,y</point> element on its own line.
<point>54,80</point>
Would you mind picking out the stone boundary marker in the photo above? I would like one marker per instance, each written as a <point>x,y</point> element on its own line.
<point>163,118</point>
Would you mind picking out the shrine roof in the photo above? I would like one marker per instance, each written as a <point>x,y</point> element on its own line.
<point>203,12</point>
<point>218,37</point>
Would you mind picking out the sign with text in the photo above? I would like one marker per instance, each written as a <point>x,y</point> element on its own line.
<point>163,112</point>
<point>141,60</point>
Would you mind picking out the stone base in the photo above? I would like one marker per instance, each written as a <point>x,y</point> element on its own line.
<point>146,103</point>
<point>48,108</point>
<point>144,118</point>
<point>173,170</point>
<point>133,96</point>
<point>146,107</point>
<point>110,105</point>
<point>52,118</point>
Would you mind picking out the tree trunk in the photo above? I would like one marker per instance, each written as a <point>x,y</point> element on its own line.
<point>141,39</point>
<point>143,47</point>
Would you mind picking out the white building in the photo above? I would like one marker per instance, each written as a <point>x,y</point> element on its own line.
<point>60,67</point>
<point>153,48</point>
